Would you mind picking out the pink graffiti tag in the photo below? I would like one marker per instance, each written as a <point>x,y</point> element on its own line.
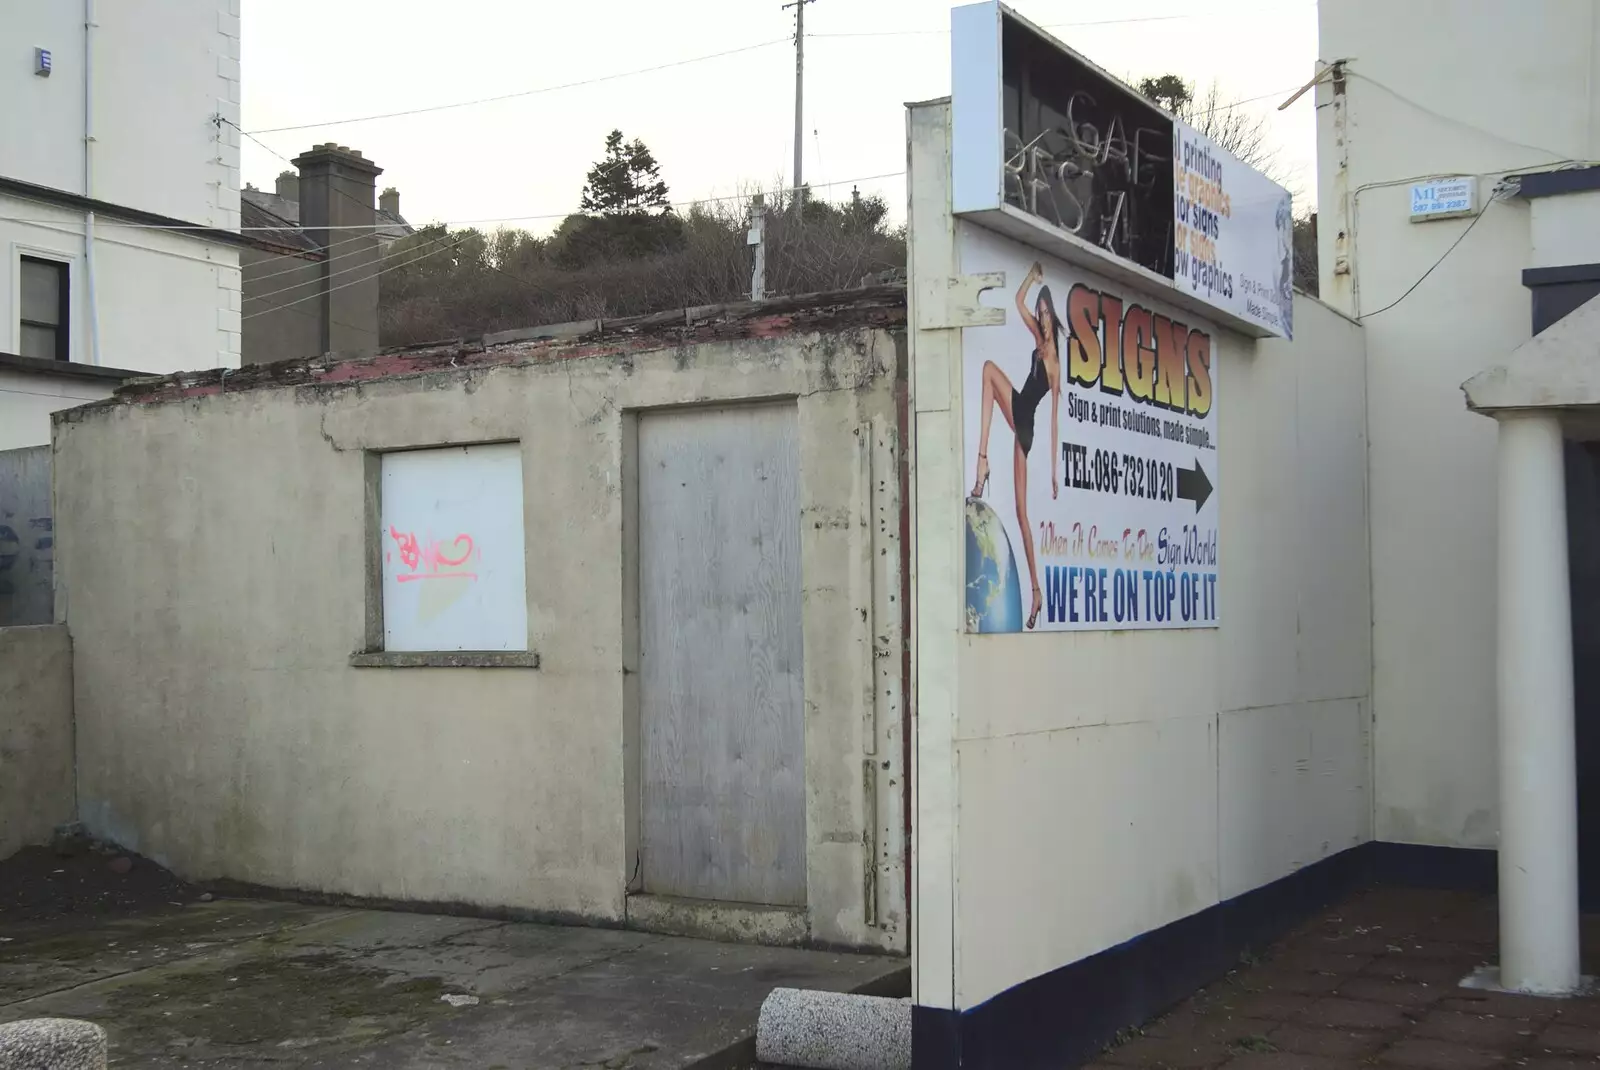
<point>431,557</point>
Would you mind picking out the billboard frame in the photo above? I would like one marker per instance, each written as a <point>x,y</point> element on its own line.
<point>978,155</point>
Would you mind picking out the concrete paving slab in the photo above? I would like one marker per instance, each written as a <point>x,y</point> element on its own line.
<point>242,985</point>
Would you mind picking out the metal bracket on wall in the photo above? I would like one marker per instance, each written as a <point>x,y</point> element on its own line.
<point>951,303</point>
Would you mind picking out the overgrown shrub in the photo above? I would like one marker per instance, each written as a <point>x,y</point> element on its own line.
<point>441,284</point>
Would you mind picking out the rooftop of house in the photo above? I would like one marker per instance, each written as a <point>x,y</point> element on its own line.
<point>262,222</point>
<point>284,203</point>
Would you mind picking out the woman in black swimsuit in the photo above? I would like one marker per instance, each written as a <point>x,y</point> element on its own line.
<point>1017,406</point>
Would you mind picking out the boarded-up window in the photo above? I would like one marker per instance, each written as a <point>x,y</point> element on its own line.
<point>453,549</point>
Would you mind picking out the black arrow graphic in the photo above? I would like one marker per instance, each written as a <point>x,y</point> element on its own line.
<point>1194,486</point>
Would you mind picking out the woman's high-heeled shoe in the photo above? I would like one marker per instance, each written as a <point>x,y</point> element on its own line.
<point>1038,602</point>
<point>983,477</point>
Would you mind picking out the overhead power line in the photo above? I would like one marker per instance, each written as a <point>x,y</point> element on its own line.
<point>518,94</point>
<point>343,285</point>
<point>1210,17</point>
<point>543,216</point>
<point>1045,25</point>
<point>1434,267</point>
<point>523,92</point>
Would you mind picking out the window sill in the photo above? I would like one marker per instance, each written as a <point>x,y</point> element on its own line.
<point>445,659</point>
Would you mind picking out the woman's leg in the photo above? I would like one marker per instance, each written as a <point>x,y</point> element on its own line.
<point>997,393</point>
<point>1020,481</point>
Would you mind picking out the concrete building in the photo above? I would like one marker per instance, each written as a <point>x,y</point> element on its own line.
<point>119,204</point>
<point>651,671</point>
<point>1458,219</point>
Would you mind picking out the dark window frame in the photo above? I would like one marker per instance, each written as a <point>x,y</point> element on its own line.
<point>63,325</point>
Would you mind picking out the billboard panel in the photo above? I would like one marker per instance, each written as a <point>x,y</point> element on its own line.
<point>1041,134</point>
<point>1090,430</point>
<point>1233,233</point>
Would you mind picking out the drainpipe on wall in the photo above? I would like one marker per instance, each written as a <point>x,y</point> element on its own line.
<point>88,179</point>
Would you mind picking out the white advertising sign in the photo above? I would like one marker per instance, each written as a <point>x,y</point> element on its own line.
<point>1444,199</point>
<point>1233,233</point>
<point>1091,453</point>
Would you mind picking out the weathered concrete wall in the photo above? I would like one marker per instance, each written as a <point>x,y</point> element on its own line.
<point>27,552</point>
<point>223,731</point>
<point>35,734</point>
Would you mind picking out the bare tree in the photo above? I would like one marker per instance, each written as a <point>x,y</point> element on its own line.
<point>1245,136</point>
<point>1227,124</point>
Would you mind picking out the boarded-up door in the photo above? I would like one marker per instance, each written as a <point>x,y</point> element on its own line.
<point>722,731</point>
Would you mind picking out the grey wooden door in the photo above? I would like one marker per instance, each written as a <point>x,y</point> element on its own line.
<point>722,729</point>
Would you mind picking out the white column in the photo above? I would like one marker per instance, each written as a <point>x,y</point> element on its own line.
<point>1538,775</point>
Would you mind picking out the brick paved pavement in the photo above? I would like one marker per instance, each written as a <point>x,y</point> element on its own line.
<point>1373,983</point>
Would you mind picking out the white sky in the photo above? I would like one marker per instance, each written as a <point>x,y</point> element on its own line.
<point>716,126</point>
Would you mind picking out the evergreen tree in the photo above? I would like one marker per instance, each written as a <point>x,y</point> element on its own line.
<point>626,181</point>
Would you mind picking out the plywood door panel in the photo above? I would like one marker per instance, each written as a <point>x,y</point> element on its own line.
<point>722,733</point>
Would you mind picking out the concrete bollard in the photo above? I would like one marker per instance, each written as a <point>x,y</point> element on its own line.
<point>52,1044</point>
<point>834,1031</point>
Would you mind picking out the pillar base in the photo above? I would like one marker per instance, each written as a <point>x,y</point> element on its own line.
<point>1487,979</point>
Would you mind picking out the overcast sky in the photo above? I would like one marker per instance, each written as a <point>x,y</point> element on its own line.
<point>716,126</point>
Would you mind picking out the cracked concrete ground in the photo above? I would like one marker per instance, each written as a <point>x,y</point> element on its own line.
<point>239,984</point>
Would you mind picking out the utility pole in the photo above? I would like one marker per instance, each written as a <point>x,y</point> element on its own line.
<point>757,238</point>
<point>799,94</point>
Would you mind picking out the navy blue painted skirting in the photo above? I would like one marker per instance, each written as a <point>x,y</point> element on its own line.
<point>1064,1018</point>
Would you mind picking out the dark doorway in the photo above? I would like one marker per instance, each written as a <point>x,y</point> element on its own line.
<point>1557,292</point>
<point>1583,551</point>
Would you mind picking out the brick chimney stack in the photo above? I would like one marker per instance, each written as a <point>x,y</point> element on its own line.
<point>337,185</point>
<point>288,186</point>
<point>389,201</point>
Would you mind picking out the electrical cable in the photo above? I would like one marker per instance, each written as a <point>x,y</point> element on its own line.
<point>302,257</point>
<point>1042,25</point>
<point>1045,25</point>
<point>1352,72</point>
<point>689,203</point>
<point>524,92</point>
<point>353,282</point>
<point>1459,239</point>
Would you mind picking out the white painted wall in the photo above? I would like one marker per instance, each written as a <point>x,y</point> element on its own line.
<point>1076,790</point>
<point>162,71</point>
<point>1442,88</point>
<point>167,303</point>
<point>1112,782</point>
<point>1564,230</point>
<point>27,400</point>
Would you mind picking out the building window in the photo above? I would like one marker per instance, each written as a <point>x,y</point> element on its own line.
<point>44,309</point>
<point>452,537</point>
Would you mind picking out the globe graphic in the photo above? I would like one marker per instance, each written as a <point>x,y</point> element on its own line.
<point>994,597</point>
